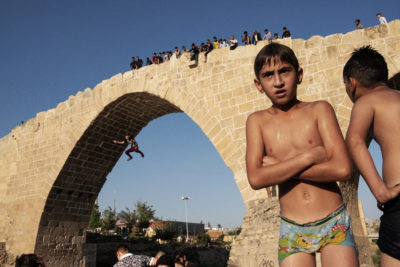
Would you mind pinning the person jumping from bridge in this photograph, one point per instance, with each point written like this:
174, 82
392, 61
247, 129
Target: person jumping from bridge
134, 146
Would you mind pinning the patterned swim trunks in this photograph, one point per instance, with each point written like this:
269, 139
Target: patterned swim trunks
311, 237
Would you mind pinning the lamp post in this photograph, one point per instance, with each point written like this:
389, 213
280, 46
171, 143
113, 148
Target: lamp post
187, 227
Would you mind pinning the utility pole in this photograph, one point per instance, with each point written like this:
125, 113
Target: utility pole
186, 212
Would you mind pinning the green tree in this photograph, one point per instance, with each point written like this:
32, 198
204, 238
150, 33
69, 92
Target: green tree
95, 220
108, 220
168, 232
145, 213
135, 232
129, 216
203, 239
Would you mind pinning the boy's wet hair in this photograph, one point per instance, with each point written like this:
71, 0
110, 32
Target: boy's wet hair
270, 53
367, 66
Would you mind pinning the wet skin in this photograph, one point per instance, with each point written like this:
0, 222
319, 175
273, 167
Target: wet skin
305, 150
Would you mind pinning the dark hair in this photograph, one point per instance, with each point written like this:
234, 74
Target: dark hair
272, 52
394, 82
357, 20
123, 248
178, 254
165, 260
266, 30
284, 28
367, 66
29, 260
379, 14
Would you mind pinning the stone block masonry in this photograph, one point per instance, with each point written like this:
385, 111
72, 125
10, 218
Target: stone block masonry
48, 191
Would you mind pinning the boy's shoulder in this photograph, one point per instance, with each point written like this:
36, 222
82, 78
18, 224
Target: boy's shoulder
377, 96
320, 107
316, 106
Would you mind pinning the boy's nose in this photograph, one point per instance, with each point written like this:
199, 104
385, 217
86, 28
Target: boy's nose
278, 82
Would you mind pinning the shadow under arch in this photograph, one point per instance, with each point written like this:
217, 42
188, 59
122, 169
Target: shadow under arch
67, 209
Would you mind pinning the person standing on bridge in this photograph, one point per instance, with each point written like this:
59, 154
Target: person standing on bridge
134, 146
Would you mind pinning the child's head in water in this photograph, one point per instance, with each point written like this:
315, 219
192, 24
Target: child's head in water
366, 68
277, 73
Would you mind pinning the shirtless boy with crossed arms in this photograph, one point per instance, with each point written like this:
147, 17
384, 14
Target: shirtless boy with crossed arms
305, 156
376, 114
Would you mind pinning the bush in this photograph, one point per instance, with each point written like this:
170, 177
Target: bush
376, 257
203, 239
168, 232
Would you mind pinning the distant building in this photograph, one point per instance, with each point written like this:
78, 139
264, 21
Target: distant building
214, 234
194, 228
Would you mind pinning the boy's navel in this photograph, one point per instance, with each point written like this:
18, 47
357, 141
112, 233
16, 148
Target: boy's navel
306, 196
310, 142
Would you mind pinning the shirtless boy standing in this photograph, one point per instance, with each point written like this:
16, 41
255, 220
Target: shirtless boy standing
305, 156
376, 114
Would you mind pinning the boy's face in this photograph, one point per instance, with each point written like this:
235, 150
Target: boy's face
279, 80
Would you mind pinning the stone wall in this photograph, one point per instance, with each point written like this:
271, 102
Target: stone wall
54, 165
253, 247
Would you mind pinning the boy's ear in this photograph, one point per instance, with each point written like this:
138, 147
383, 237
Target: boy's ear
354, 83
299, 76
258, 85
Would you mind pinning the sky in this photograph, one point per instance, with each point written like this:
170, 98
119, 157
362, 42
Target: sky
51, 49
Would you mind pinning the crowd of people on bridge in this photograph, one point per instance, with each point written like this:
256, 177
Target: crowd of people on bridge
208, 46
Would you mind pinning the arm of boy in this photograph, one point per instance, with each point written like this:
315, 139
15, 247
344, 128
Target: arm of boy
361, 120
274, 171
337, 166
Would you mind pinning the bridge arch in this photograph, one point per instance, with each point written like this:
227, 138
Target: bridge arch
54, 165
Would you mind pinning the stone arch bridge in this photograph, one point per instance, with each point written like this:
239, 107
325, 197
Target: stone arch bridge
54, 166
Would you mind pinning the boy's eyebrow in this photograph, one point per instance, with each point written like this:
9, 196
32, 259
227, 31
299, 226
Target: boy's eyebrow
289, 67
283, 68
268, 72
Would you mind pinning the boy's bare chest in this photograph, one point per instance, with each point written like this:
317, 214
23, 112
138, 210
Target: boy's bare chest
287, 136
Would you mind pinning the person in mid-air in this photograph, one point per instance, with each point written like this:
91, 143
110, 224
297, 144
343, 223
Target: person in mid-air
134, 146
